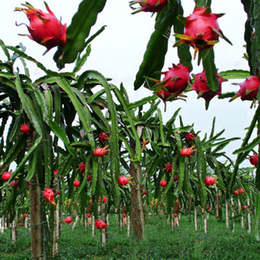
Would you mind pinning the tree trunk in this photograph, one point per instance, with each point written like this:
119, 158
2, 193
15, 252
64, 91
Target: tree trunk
2, 223
205, 219
195, 218
227, 218
239, 211
14, 231
75, 223
26, 222
217, 206
56, 231
93, 225
103, 230
36, 228
128, 226
233, 214
137, 214
249, 217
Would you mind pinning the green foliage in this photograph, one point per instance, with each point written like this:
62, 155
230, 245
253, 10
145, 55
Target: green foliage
78, 31
156, 50
160, 243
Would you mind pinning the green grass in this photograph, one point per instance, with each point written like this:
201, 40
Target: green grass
160, 243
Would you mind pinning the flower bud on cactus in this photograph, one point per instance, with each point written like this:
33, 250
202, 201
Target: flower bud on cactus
82, 168
55, 173
103, 137
14, 184
24, 129
176, 178
44, 28
168, 167
104, 199
190, 136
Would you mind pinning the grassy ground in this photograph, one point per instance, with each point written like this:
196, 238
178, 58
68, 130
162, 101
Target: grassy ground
160, 243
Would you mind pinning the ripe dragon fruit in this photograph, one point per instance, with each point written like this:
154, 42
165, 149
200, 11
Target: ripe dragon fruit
44, 28
100, 224
48, 194
253, 159
68, 219
187, 151
100, 152
76, 183
249, 88
175, 80
6, 176
149, 5
209, 180
123, 180
201, 87
163, 183
202, 30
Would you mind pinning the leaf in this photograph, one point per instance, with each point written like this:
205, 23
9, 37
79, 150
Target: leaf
249, 147
13, 153
81, 60
210, 71
28, 106
80, 110
78, 31
57, 130
24, 160
138, 103
154, 55
42, 103
49, 104
5, 50
234, 74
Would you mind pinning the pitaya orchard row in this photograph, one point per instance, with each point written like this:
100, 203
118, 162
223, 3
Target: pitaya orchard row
82, 147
